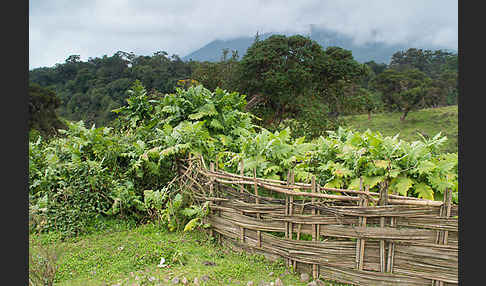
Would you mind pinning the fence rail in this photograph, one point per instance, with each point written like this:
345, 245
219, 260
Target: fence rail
351, 236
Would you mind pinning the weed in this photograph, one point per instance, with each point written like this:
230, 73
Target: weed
43, 266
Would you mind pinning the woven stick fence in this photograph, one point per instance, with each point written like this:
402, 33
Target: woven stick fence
351, 236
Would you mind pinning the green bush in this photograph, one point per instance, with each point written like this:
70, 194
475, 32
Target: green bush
90, 172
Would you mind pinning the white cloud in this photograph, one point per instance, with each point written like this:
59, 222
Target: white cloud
93, 28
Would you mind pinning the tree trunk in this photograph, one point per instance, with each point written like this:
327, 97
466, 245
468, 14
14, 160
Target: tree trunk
369, 115
402, 118
281, 115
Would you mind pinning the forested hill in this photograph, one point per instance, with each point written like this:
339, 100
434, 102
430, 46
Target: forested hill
283, 78
378, 52
90, 90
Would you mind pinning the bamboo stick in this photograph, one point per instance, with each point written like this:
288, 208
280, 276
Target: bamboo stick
279, 189
442, 236
257, 201
448, 212
315, 270
211, 180
300, 225
242, 189
218, 188
287, 214
362, 249
284, 185
391, 249
291, 211
358, 241
211, 191
383, 201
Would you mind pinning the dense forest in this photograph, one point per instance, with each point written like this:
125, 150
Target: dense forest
283, 78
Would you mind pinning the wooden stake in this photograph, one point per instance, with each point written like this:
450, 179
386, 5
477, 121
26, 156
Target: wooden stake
290, 212
358, 241
211, 190
257, 201
442, 236
391, 250
242, 190
315, 270
211, 180
448, 204
299, 228
383, 201
242, 173
218, 190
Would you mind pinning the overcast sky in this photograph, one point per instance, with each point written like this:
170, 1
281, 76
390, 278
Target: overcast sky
93, 28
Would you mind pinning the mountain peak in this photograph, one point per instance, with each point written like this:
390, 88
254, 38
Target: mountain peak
372, 51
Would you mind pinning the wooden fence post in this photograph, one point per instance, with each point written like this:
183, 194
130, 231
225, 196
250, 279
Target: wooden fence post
382, 202
211, 191
257, 201
242, 190
315, 267
442, 235
360, 243
289, 200
391, 250
211, 179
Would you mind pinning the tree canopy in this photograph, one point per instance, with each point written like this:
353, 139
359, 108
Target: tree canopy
42, 110
402, 91
282, 68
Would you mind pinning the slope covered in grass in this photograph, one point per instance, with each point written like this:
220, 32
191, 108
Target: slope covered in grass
428, 121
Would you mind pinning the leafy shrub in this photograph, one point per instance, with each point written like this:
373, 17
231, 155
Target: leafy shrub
345, 156
90, 172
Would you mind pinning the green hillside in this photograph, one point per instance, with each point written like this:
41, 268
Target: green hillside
428, 121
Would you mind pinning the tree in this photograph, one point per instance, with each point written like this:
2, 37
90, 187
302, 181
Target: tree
222, 74
411, 58
432, 63
340, 73
42, 115
376, 67
402, 90
440, 66
282, 68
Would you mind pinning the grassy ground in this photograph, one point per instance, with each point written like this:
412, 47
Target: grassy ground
127, 255
428, 121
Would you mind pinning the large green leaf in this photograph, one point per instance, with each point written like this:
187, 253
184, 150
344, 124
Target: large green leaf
425, 167
336, 183
216, 124
372, 181
401, 185
192, 224
354, 184
424, 191
381, 163
206, 110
